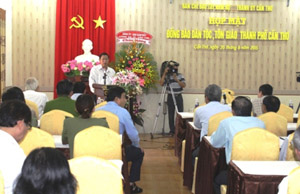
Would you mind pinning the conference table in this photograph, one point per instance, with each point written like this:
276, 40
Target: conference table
248, 177
180, 129
192, 141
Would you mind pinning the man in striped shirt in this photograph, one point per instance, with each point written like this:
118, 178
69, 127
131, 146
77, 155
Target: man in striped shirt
176, 81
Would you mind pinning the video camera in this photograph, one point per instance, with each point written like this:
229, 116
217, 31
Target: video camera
170, 65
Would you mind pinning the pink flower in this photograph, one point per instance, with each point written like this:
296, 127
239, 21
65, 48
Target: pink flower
79, 66
142, 82
72, 66
129, 62
142, 60
65, 69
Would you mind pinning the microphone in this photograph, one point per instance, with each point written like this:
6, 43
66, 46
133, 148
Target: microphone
104, 77
224, 97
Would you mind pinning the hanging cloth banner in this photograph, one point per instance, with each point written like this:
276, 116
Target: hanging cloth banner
134, 36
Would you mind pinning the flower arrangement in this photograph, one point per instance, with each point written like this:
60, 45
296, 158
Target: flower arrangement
134, 57
133, 87
73, 68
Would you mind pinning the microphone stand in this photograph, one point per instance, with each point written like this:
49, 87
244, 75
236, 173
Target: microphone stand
104, 77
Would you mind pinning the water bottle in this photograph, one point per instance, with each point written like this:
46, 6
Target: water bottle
291, 105
196, 102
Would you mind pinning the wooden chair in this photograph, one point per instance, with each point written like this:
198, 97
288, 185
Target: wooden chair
287, 112
96, 175
229, 95
34, 107
111, 118
53, 121
275, 123
36, 138
215, 120
99, 142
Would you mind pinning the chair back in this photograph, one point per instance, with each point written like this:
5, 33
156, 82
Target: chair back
290, 154
255, 144
99, 142
229, 95
111, 118
33, 106
275, 123
100, 104
293, 181
214, 121
53, 121
96, 175
36, 138
287, 112
1, 183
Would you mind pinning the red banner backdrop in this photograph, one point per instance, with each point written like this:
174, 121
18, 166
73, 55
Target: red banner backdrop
76, 20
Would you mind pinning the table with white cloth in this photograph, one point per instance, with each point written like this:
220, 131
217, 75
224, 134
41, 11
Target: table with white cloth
295, 117
180, 129
260, 177
291, 127
192, 141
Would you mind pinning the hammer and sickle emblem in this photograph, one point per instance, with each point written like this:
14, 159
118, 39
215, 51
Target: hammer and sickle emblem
79, 24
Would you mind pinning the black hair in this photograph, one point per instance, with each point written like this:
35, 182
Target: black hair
103, 54
266, 89
64, 88
114, 92
13, 93
79, 87
272, 103
213, 92
47, 171
242, 106
85, 105
13, 111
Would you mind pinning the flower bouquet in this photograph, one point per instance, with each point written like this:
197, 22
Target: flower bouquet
133, 87
74, 68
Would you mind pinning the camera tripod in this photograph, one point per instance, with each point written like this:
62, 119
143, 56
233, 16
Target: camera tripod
162, 101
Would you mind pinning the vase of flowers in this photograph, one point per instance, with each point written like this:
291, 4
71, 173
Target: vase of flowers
78, 69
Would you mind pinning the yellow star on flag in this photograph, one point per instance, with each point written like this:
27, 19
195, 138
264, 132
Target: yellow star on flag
99, 22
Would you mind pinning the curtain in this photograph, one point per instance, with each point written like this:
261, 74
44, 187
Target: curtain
68, 41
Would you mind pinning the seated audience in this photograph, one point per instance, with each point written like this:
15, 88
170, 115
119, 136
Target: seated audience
15, 93
79, 88
274, 122
264, 90
213, 106
30, 93
15, 117
223, 137
116, 98
283, 186
46, 171
63, 102
72, 126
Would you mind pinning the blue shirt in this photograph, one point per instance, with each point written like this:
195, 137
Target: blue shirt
228, 128
203, 114
126, 123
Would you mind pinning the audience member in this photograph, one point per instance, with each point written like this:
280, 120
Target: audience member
15, 93
116, 98
213, 106
241, 120
63, 102
72, 126
101, 74
270, 104
79, 88
15, 117
46, 171
30, 93
283, 186
264, 90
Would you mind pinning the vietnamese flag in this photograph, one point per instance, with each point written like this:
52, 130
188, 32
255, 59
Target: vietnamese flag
77, 20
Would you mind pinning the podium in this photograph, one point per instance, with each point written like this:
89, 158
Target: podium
101, 90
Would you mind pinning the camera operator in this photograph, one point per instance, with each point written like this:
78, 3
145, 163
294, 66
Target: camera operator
173, 79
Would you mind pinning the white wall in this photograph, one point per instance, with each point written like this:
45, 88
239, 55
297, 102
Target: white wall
7, 6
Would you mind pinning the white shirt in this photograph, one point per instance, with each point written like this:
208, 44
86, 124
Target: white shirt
75, 96
97, 74
11, 162
37, 97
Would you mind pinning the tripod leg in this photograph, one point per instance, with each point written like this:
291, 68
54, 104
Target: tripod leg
174, 99
162, 95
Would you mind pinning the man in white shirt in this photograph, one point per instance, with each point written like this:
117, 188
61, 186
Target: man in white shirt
101, 74
283, 186
31, 94
15, 117
264, 90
